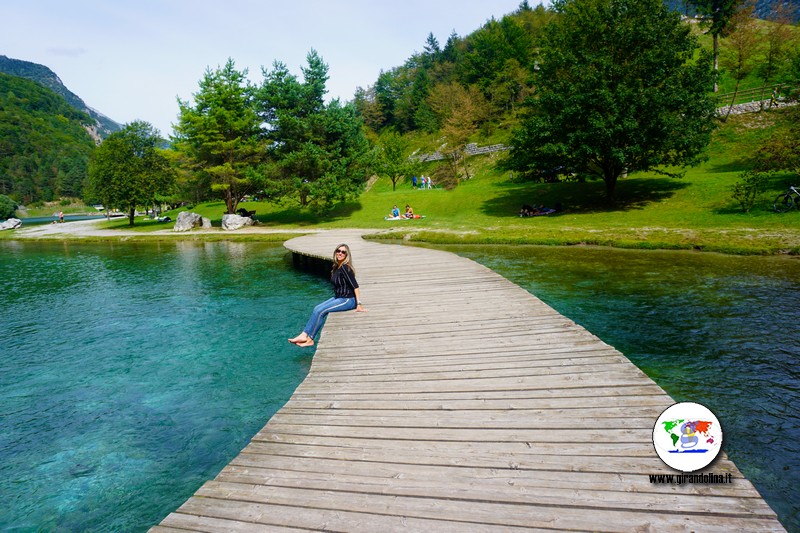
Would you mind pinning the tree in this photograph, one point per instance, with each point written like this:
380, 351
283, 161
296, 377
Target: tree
318, 152
779, 41
129, 170
718, 16
7, 207
617, 91
460, 110
221, 134
366, 103
739, 57
394, 161
432, 50
781, 151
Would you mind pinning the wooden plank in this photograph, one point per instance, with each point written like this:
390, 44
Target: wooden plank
460, 402
525, 490
498, 514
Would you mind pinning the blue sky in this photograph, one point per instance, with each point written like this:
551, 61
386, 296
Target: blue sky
131, 59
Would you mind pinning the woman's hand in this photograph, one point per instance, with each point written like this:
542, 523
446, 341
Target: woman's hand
360, 308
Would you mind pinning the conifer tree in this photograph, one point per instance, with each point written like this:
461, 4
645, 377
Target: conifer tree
220, 134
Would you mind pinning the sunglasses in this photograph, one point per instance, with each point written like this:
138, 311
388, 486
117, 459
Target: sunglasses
341, 251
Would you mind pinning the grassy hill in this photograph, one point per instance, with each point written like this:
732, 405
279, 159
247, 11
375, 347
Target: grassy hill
694, 212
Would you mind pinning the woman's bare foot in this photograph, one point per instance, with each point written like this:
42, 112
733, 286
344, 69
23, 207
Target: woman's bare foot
300, 338
308, 342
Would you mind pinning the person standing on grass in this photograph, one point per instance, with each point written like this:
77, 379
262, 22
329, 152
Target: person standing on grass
346, 296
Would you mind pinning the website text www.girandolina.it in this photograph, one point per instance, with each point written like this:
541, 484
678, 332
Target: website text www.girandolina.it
680, 479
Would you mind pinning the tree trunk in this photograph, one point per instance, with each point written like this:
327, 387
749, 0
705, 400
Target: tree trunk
733, 100
716, 60
130, 216
229, 201
610, 179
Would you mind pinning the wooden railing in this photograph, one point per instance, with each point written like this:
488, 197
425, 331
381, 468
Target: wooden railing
755, 94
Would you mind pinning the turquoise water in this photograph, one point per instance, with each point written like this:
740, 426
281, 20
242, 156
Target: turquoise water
130, 374
718, 330
35, 221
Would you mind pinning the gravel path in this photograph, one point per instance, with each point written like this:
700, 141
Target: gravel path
89, 228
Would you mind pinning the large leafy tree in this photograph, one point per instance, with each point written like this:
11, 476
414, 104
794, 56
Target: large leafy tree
318, 151
129, 169
220, 134
617, 91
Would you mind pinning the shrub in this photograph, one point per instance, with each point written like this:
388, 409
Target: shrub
750, 185
7, 207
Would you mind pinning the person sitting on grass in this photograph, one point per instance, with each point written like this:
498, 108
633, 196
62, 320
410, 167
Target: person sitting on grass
409, 212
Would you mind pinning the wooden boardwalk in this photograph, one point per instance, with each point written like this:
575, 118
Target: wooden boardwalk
460, 402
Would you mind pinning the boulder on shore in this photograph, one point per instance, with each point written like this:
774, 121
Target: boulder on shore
187, 221
233, 222
11, 223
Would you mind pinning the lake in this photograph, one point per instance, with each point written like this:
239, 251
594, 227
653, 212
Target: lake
132, 373
36, 221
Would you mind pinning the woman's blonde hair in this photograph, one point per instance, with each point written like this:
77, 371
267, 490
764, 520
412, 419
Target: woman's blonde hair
348, 259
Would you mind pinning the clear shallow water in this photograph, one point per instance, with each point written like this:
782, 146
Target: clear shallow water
130, 374
719, 330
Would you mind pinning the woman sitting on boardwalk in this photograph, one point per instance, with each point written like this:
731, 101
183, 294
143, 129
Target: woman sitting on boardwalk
346, 296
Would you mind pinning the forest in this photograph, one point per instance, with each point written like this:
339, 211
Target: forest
44, 144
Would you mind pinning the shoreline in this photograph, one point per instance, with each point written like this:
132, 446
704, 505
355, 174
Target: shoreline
740, 242
79, 229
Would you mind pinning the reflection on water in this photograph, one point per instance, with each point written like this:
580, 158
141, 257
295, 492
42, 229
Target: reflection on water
132, 373
718, 330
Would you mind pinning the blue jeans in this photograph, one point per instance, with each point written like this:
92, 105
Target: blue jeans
320, 312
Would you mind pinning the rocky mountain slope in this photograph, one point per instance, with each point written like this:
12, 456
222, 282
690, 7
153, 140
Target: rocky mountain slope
47, 78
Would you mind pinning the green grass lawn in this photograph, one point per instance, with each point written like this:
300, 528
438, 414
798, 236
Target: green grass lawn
652, 211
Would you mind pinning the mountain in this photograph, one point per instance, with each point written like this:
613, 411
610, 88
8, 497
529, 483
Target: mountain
45, 77
763, 8
44, 143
